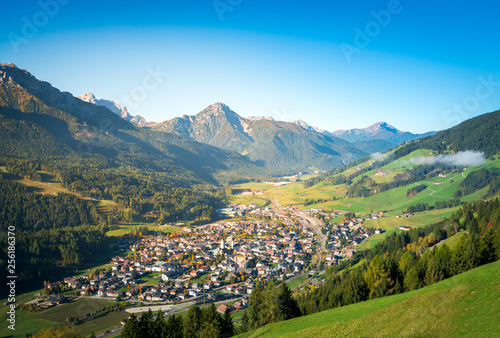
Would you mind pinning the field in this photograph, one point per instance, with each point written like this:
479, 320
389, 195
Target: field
79, 308
32, 322
395, 200
453, 240
297, 282
391, 223
26, 322
466, 304
421, 218
374, 239
296, 194
104, 323
246, 199
126, 228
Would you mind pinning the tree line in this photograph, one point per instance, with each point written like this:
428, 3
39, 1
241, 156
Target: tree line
49, 230
198, 322
419, 207
410, 260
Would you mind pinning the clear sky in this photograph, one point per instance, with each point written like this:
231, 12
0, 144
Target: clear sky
419, 65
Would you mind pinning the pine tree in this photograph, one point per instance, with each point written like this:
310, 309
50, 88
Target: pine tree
286, 306
412, 279
227, 329
174, 327
432, 274
378, 278
245, 322
131, 327
255, 306
193, 322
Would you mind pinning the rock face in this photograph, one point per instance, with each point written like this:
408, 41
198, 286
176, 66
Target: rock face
271, 143
111, 105
53, 97
115, 108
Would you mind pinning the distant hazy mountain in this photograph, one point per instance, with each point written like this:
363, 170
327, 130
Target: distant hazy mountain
271, 143
115, 108
379, 131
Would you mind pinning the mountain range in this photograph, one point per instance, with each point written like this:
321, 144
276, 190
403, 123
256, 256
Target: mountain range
220, 126
269, 143
216, 140
39, 122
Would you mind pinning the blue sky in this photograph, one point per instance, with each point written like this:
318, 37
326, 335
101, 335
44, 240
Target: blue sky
419, 65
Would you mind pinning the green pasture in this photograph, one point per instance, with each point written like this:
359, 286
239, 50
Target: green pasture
464, 305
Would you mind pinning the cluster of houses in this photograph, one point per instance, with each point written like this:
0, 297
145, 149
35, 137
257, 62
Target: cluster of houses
219, 258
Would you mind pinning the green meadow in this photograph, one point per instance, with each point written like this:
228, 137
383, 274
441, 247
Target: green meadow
464, 305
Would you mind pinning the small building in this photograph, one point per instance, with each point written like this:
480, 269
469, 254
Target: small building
222, 308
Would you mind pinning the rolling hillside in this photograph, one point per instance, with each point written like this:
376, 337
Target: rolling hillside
466, 304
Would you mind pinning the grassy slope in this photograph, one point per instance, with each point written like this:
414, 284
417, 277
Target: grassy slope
394, 199
466, 304
32, 322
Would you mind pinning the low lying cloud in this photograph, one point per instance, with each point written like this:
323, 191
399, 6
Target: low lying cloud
462, 158
379, 156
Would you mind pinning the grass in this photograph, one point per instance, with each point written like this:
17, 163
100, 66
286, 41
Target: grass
151, 279
126, 228
374, 239
78, 308
453, 240
421, 218
199, 278
254, 186
107, 322
33, 322
391, 224
466, 304
297, 282
296, 194
245, 199
394, 200
26, 322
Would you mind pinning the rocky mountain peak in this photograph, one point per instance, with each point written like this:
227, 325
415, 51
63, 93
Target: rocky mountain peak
383, 126
88, 97
111, 105
217, 109
258, 118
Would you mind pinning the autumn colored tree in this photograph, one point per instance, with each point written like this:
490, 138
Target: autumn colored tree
378, 279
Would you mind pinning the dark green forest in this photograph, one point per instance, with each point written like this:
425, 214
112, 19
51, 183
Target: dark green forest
94, 152
206, 322
50, 231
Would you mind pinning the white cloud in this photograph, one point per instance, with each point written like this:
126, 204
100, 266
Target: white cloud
379, 156
462, 158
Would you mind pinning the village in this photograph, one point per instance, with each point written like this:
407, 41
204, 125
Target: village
223, 261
